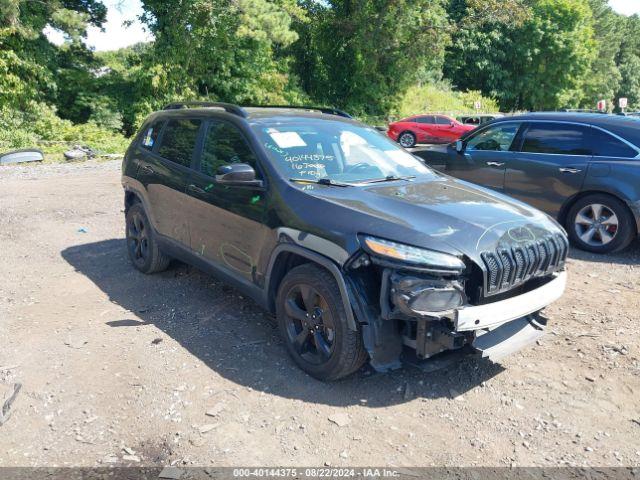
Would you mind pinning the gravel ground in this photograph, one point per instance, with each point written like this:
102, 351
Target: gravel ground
118, 368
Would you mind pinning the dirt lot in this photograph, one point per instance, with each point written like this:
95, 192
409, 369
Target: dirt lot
119, 368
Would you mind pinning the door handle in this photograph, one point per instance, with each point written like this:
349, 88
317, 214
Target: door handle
495, 164
195, 189
569, 170
147, 169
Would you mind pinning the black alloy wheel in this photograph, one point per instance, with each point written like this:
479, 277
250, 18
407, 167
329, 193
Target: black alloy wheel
137, 239
142, 246
310, 324
313, 323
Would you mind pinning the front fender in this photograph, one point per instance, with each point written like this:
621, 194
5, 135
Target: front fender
323, 261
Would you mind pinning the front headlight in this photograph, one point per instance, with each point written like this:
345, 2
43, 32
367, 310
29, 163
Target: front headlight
414, 255
422, 296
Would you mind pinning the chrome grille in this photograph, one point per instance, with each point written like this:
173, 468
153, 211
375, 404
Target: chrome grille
509, 268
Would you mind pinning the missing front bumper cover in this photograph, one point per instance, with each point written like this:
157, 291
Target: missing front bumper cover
510, 337
433, 337
493, 330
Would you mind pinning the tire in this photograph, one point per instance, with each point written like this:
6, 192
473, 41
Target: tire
407, 140
613, 230
142, 247
327, 349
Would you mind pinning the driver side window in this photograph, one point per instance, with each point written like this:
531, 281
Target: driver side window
497, 138
223, 145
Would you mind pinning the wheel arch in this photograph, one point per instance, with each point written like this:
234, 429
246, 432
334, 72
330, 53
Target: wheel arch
286, 257
406, 130
564, 211
135, 192
130, 199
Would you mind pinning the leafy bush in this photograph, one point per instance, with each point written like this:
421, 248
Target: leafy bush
39, 127
440, 98
434, 98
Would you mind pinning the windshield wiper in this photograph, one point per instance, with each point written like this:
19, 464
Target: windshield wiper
389, 178
321, 181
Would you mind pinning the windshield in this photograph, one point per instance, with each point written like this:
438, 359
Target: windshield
323, 149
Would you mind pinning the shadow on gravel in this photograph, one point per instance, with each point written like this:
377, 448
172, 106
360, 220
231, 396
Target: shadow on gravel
629, 256
237, 339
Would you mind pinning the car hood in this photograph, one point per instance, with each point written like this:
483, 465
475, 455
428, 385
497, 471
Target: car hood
442, 214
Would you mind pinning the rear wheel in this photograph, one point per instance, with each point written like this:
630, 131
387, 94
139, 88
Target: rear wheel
600, 223
407, 140
142, 247
313, 324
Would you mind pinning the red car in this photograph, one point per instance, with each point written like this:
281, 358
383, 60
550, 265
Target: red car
427, 129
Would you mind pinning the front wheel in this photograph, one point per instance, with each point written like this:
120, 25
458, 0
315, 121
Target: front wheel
407, 140
600, 224
313, 324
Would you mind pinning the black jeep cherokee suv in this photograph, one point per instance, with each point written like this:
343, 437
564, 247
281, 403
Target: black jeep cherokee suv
360, 250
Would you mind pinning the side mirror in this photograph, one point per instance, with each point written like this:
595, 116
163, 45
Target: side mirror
459, 146
238, 175
452, 124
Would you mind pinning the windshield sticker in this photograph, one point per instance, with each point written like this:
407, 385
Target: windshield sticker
287, 139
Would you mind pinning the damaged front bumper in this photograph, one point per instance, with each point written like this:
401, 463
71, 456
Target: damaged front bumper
493, 314
493, 330
505, 327
423, 313
509, 337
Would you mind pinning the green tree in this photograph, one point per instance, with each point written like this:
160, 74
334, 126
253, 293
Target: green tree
28, 63
218, 49
125, 80
541, 63
361, 55
603, 81
628, 61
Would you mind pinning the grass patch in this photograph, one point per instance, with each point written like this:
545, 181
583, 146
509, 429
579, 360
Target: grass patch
39, 127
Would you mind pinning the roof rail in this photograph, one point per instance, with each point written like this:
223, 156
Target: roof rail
327, 110
237, 110
580, 110
228, 107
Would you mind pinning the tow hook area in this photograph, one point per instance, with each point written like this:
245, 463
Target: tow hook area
510, 337
433, 338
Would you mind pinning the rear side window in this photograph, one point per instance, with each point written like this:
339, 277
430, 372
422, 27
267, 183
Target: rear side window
224, 144
179, 140
425, 119
151, 134
606, 145
557, 138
